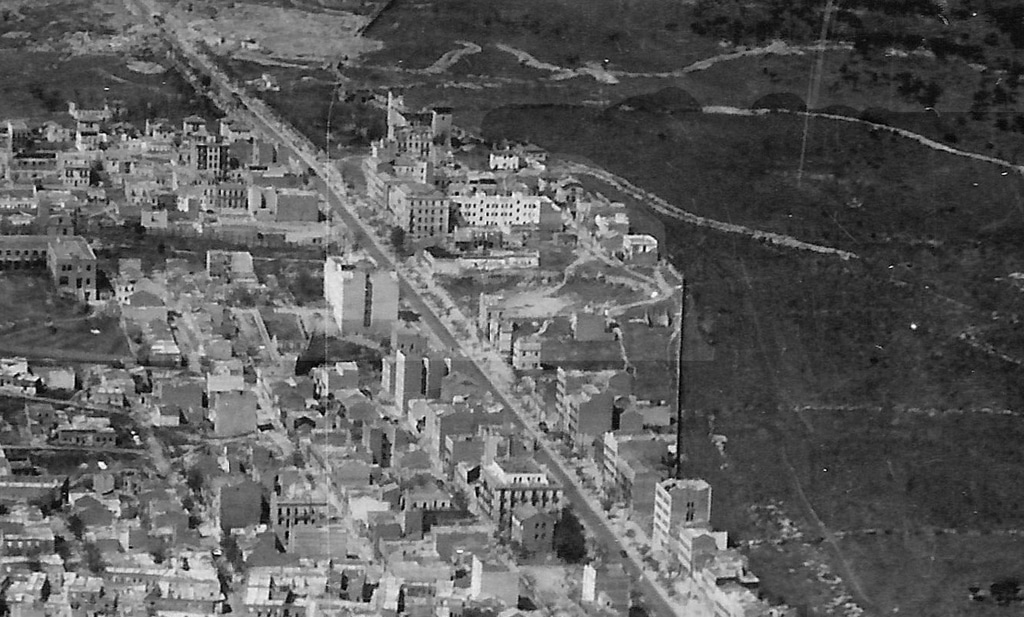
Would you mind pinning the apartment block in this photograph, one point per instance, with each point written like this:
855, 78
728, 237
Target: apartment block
630, 472
294, 502
508, 484
362, 298
72, 265
679, 503
420, 210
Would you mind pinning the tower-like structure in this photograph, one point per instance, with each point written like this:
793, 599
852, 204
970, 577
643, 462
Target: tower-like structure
362, 297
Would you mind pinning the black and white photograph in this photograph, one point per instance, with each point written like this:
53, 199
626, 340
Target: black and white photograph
491, 308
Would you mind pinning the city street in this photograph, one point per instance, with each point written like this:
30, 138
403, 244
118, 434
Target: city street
297, 147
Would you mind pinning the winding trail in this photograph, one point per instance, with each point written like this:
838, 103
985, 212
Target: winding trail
595, 70
663, 207
450, 58
775, 48
921, 139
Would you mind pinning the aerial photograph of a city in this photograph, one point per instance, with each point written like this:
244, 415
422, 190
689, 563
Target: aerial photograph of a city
477, 308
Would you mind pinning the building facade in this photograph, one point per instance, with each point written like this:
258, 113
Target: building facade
362, 298
508, 484
72, 265
679, 503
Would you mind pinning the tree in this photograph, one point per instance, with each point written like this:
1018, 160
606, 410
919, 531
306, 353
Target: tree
61, 548
159, 553
1005, 591
570, 542
195, 480
93, 558
398, 239
232, 553
76, 526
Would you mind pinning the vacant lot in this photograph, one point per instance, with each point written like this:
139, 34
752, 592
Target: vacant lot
38, 323
639, 35
39, 85
286, 33
935, 573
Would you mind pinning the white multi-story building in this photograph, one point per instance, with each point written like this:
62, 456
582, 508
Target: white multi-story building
478, 208
679, 503
362, 298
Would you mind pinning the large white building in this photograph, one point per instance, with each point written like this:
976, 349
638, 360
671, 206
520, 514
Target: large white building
679, 503
362, 298
498, 209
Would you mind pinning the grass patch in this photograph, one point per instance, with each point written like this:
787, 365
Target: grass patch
842, 330
792, 329
38, 85
38, 321
931, 575
640, 35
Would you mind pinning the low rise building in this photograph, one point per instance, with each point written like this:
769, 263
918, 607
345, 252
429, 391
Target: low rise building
231, 266
88, 432
585, 403
630, 472
294, 501
504, 486
533, 529
72, 265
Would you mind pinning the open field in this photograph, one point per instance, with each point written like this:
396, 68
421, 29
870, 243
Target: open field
39, 85
936, 572
284, 33
795, 332
641, 35
48, 25
55, 52
39, 323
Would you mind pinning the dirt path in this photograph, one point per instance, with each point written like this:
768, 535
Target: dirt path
830, 538
598, 72
663, 207
450, 58
921, 139
775, 48
594, 69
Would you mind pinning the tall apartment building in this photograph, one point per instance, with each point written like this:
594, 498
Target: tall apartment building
211, 156
679, 503
420, 210
585, 402
411, 375
362, 298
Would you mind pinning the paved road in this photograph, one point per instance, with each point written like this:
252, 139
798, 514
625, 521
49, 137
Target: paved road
10, 447
292, 145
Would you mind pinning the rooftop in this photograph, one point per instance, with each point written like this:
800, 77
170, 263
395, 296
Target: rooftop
70, 247
520, 465
693, 484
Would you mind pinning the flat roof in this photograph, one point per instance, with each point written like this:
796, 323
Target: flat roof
71, 247
520, 465
24, 242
